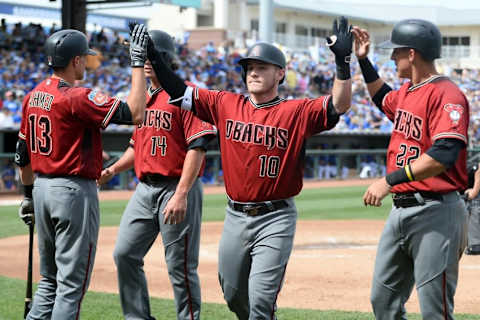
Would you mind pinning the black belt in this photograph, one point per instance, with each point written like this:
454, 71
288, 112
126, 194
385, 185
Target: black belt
406, 200
156, 179
257, 208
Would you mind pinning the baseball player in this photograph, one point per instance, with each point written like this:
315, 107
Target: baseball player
168, 152
262, 140
425, 233
60, 142
473, 208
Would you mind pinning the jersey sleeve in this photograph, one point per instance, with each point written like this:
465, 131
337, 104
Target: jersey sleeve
207, 104
450, 116
195, 128
315, 115
389, 104
22, 133
93, 106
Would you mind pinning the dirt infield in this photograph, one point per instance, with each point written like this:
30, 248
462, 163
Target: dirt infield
330, 268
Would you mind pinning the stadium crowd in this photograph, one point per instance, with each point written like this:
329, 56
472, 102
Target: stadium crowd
22, 66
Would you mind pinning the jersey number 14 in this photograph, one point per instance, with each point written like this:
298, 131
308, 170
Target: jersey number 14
159, 142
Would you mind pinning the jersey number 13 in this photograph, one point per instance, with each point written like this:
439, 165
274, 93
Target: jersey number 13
40, 134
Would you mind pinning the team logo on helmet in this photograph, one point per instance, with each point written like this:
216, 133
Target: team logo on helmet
455, 111
98, 97
50, 60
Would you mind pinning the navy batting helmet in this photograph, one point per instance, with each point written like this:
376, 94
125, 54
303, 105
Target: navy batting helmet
264, 52
63, 45
418, 34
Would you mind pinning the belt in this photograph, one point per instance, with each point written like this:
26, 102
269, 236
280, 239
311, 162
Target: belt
156, 179
412, 199
257, 208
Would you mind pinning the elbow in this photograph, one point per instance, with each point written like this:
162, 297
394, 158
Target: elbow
137, 118
137, 109
342, 107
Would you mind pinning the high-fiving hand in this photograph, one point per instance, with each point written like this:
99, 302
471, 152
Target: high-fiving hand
340, 42
138, 45
362, 42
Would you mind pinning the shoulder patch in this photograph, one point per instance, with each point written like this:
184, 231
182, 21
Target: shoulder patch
97, 97
455, 111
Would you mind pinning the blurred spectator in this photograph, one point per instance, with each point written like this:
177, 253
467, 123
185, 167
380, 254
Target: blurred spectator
22, 65
8, 181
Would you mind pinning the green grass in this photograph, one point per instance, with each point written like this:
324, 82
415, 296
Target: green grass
334, 203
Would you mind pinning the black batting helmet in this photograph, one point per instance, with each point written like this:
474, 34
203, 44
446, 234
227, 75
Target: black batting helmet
63, 45
420, 35
264, 52
163, 42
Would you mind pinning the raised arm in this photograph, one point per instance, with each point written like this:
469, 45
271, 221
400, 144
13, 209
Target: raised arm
377, 88
340, 42
169, 80
138, 53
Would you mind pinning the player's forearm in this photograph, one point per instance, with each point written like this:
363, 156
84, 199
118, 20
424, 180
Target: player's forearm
377, 88
374, 87
26, 175
125, 162
342, 95
137, 99
169, 80
191, 167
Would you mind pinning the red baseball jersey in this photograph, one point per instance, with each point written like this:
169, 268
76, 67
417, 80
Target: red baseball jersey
262, 146
61, 125
161, 142
431, 110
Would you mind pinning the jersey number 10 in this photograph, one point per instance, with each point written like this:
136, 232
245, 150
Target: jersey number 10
269, 166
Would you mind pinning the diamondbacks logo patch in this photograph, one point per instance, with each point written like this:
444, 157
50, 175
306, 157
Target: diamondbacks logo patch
455, 111
97, 97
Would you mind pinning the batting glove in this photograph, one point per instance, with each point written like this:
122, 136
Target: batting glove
138, 46
26, 212
340, 42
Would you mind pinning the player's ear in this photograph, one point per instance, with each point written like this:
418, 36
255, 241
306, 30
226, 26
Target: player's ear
76, 60
413, 54
280, 74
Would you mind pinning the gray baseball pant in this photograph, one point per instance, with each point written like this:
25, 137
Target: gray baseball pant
141, 223
474, 222
67, 222
420, 246
253, 257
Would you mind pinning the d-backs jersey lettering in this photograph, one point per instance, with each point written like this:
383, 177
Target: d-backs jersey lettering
434, 109
262, 146
60, 125
161, 141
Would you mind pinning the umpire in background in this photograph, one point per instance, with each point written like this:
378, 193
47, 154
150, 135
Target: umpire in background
60, 142
473, 207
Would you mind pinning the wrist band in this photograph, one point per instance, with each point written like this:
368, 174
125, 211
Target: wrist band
27, 191
397, 177
368, 71
408, 171
343, 69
